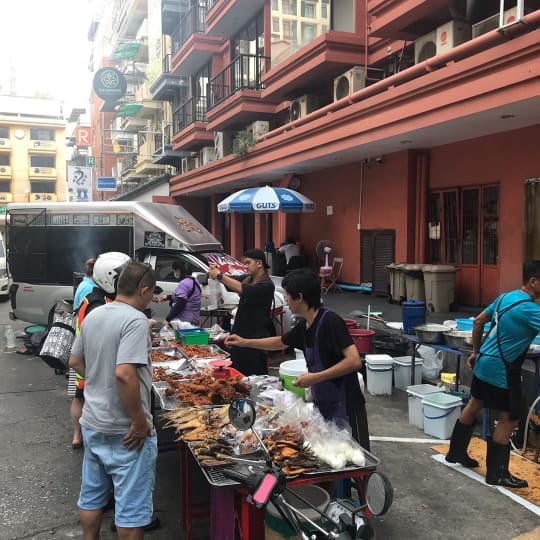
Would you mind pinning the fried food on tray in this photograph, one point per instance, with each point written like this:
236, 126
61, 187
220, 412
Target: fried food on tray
160, 356
199, 351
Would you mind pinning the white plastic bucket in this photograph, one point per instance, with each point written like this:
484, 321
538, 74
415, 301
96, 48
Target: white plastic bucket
440, 414
415, 395
289, 371
402, 371
379, 374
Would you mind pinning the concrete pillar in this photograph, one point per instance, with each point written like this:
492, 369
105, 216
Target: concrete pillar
237, 240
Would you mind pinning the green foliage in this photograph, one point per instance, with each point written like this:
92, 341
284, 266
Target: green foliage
242, 141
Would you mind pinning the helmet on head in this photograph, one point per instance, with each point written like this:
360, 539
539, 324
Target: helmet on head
107, 269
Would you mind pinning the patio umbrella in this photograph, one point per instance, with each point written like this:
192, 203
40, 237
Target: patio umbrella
266, 199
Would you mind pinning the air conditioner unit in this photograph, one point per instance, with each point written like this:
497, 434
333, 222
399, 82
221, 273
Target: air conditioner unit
425, 47
258, 128
222, 144
451, 35
207, 155
189, 163
303, 106
349, 82
491, 23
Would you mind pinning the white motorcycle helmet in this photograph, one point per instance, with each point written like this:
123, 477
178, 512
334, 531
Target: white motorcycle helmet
107, 269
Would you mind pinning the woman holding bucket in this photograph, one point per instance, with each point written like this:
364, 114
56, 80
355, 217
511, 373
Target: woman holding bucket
332, 358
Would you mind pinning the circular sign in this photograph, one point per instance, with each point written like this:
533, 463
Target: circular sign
110, 84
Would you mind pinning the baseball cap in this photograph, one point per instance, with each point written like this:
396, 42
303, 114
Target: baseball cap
257, 255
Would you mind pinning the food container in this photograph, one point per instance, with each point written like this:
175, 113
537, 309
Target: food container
192, 336
206, 352
431, 333
458, 339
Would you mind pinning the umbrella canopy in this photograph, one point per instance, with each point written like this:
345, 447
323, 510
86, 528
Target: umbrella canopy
266, 199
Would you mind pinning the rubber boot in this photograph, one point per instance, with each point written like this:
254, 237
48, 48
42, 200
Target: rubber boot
515, 479
459, 441
497, 466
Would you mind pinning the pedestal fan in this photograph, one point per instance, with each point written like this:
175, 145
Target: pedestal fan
323, 249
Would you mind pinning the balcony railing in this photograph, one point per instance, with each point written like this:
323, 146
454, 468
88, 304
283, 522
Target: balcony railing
243, 73
193, 110
166, 63
129, 162
193, 21
163, 138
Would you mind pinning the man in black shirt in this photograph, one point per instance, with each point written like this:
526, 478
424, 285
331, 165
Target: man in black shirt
252, 318
332, 358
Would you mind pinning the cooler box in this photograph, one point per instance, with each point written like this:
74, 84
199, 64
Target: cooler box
440, 414
193, 336
379, 374
415, 395
402, 371
413, 314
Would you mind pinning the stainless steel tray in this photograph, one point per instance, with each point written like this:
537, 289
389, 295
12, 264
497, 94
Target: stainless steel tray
213, 349
167, 403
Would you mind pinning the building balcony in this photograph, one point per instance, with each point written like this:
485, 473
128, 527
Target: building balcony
190, 125
42, 172
42, 146
170, 15
235, 94
167, 85
146, 167
193, 22
164, 153
5, 144
128, 17
226, 17
326, 57
194, 54
5, 171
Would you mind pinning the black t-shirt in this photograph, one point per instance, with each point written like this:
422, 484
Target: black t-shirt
333, 339
253, 316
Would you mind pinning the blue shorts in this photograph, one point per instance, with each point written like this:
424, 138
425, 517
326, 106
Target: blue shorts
108, 464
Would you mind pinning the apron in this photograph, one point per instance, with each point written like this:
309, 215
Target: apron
328, 396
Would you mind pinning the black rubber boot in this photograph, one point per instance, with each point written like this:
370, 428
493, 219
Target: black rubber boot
459, 441
498, 456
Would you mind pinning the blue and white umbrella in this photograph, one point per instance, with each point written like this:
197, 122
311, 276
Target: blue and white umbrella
266, 199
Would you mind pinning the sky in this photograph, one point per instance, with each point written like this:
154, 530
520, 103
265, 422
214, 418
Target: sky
46, 42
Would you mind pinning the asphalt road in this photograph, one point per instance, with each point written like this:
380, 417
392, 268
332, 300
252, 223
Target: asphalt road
41, 473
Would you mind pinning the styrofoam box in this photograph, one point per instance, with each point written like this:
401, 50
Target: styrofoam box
379, 374
415, 394
402, 371
440, 414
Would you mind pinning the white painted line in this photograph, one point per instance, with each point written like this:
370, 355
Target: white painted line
479, 478
408, 440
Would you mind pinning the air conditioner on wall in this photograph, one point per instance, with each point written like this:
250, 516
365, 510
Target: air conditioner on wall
222, 144
451, 35
207, 155
189, 163
302, 106
491, 23
349, 82
258, 128
425, 47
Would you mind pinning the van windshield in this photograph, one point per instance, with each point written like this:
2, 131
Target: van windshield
226, 263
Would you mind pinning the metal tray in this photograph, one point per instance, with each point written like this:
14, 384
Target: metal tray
177, 362
167, 403
371, 463
213, 349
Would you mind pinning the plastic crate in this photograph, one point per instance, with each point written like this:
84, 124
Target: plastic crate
193, 336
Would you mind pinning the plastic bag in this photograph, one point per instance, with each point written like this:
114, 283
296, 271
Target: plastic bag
215, 298
433, 361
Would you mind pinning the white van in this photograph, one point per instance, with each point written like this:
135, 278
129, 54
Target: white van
48, 242
4, 279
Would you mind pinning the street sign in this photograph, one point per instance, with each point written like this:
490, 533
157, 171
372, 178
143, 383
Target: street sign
83, 137
106, 183
90, 161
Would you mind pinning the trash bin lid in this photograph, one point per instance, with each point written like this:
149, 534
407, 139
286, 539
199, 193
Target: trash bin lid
400, 266
439, 268
417, 267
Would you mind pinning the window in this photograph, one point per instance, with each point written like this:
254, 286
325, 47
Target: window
43, 186
42, 161
42, 134
309, 32
164, 271
490, 253
275, 6
308, 10
289, 7
4, 133
287, 29
469, 226
324, 9
4, 159
5, 186
275, 24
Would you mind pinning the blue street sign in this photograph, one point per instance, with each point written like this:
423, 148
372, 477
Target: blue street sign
106, 183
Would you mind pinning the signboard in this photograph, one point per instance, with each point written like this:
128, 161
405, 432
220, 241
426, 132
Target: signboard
42, 197
79, 183
109, 84
83, 137
106, 183
3, 210
91, 161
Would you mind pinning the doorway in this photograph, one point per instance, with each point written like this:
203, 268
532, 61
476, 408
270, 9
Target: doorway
377, 251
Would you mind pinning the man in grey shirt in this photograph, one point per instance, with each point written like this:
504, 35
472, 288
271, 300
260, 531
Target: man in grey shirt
120, 446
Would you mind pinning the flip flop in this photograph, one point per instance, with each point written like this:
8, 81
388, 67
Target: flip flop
76, 445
